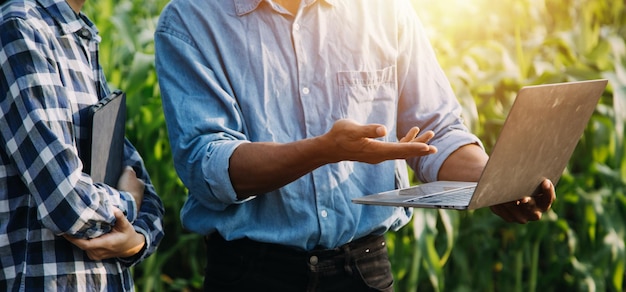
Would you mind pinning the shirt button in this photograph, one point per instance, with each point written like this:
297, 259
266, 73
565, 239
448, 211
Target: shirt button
305, 90
313, 260
324, 213
296, 26
84, 33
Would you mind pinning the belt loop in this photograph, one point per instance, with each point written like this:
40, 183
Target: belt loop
347, 266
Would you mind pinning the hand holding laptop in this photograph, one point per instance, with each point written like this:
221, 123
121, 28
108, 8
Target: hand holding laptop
532, 150
528, 208
467, 164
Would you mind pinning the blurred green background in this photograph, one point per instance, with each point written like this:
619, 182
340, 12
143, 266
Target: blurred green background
489, 49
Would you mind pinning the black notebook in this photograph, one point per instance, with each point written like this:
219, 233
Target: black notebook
105, 150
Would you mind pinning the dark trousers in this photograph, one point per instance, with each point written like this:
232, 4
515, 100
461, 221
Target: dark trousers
246, 265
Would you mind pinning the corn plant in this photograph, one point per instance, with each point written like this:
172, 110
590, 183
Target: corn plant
489, 50
579, 245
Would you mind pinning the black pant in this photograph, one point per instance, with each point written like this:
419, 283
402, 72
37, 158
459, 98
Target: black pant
246, 265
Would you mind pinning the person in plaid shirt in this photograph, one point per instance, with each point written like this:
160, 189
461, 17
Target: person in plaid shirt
58, 229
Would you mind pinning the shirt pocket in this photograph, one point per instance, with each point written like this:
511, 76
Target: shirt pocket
368, 96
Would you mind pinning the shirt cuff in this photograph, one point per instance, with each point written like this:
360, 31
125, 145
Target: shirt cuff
140, 255
430, 164
129, 206
215, 170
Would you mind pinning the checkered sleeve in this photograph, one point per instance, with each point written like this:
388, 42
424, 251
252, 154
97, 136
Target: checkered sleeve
149, 220
37, 130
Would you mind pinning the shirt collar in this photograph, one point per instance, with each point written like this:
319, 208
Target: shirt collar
246, 6
66, 18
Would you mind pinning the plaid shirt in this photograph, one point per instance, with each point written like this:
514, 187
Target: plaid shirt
49, 75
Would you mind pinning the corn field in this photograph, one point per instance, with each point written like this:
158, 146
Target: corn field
489, 50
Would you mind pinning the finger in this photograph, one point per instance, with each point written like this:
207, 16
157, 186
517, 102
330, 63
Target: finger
547, 197
521, 211
425, 137
404, 150
428, 149
381, 131
121, 222
361, 131
93, 252
410, 135
88, 245
529, 209
370, 131
516, 214
95, 255
503, 212
79, 242
526, 210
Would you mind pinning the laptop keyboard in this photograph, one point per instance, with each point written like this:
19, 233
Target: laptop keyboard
459, 196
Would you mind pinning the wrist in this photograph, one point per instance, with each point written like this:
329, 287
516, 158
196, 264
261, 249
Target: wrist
319, 150
136, 245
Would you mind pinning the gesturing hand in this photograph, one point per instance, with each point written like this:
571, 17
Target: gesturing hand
348, 140
123, 241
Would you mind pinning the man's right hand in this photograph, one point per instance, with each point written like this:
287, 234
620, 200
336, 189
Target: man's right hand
260, 167
123, 241
350, 140
129, 182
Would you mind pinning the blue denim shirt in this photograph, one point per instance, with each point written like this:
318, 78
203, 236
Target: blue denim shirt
243, 71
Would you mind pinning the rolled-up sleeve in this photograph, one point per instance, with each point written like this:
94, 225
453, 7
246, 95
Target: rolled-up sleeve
426, 97
203, 119
149, 220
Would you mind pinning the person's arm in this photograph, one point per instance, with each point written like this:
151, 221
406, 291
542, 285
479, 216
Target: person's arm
130, 243
427, 100
122, 242
261, 167
467, 163
37, 129
149, 222
464, 164
213, 154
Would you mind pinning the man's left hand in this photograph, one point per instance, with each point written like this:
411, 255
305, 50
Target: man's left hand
528, 208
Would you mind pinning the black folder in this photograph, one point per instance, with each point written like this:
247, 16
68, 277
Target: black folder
103, 160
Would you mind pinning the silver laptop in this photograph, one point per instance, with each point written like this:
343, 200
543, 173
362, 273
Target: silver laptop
536, 142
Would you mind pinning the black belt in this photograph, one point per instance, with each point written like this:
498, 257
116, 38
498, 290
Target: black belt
358, 246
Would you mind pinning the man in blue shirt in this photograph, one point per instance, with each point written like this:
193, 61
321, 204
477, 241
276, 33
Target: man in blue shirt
58, 229
280, 112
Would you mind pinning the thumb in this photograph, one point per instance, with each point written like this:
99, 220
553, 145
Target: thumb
121, 221
374, 131
544, 201
381, 131
358, 131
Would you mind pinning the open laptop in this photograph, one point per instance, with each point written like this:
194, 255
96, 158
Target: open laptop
536, 142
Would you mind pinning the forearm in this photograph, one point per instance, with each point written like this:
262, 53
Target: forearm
261, 167
465, 164
150, 223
